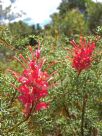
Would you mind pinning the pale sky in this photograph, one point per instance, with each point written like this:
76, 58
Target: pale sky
37, 11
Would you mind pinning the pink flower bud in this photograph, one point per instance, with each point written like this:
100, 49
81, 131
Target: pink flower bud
37, 53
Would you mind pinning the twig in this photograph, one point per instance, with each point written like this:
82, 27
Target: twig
18, 124
83, 114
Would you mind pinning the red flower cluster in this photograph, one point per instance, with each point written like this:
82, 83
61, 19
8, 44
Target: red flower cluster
82, 56
33, 82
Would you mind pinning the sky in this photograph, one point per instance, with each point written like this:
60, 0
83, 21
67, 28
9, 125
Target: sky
36, 11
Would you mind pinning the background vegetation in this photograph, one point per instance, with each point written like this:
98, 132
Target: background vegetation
71, 94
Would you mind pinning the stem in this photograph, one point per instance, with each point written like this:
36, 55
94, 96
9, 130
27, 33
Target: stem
12, 100
83, 114
18, 124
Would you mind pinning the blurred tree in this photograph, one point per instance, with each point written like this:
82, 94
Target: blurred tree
94, 15
77, 16
7, 14
20, 29
33, 29
67, 5
55, 25
72, 23
38, 28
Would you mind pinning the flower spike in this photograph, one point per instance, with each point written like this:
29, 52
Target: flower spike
33, 82
82, 54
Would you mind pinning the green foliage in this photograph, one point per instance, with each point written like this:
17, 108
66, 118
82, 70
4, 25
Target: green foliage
94, 15
67, 5
63, 117
70, 95
73, 23
77, 16
20, 29
99, 30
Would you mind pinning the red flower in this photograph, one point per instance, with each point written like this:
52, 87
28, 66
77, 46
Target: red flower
33, 82
82, 54
41, 105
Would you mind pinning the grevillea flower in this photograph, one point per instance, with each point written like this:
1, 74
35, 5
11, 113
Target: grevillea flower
82, 54
33, 82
